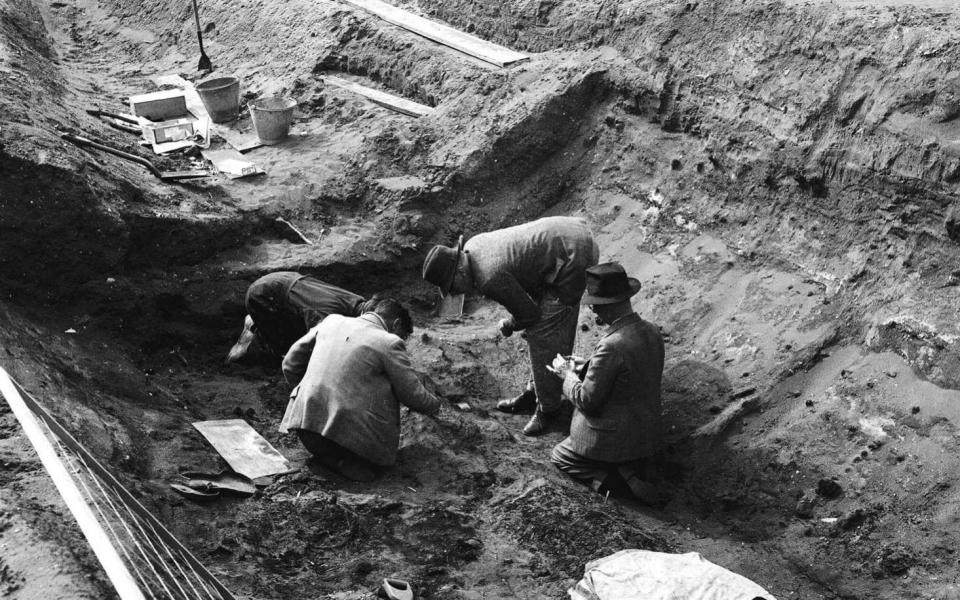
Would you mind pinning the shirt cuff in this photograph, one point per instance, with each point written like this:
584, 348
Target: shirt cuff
570, 385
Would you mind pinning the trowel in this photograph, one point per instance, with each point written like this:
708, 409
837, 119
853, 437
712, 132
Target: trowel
451, 306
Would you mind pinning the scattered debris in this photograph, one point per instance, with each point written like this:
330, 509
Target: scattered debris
231, 163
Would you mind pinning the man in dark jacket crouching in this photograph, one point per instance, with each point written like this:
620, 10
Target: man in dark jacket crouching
616, 423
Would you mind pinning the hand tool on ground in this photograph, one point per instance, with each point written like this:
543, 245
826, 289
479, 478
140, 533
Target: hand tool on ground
396, 589
194, 494
161, 175
225, 482
451, 306
121, 122
205, 64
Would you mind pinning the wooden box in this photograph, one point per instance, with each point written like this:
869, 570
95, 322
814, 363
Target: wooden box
160, 106
169, 131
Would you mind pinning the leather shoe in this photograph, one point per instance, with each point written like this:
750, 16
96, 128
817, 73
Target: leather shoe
247, 348
541, 423
524, 404
352, 470
645, 492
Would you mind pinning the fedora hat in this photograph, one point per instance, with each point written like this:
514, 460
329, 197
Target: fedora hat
440, 265
608, 283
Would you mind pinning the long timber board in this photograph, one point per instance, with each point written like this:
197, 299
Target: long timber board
443, 34
401, 105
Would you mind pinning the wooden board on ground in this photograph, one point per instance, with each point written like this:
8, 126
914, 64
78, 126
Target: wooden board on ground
443, 34
236, 135
401, 105
245, 450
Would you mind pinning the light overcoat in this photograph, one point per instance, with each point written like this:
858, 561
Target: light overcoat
617, 415
351, 375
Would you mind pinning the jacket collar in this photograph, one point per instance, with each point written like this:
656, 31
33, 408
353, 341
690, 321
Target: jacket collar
375, 319
622, 322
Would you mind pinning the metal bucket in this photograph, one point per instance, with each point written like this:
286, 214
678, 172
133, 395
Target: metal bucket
271, 118
221, 98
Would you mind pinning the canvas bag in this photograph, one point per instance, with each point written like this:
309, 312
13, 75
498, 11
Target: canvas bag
645, 575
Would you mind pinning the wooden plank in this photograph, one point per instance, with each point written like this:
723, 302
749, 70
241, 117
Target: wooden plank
245, 450
443, 34
401, 105
101, 544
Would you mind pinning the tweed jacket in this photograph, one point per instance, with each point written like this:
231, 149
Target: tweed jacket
351, 375
617, 414
517, 266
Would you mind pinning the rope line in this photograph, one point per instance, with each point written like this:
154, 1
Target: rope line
160, 566
157, 556
133, 538
72, 461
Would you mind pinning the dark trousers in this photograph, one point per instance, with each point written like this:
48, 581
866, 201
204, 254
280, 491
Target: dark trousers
598, 474
275, 324
328, 450
553, 334
285, 305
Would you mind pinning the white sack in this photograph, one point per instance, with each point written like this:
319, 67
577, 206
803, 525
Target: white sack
644, 575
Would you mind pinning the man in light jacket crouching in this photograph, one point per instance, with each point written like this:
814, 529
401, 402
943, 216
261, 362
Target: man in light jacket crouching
350, 375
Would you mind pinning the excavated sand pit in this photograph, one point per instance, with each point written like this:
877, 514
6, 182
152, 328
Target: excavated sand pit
781, 176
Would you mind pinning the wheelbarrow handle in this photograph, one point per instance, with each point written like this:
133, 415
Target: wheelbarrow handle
82, 141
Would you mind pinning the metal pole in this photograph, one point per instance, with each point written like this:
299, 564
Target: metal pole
98, 539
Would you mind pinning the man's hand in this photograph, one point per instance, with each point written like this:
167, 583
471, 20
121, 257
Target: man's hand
562, 365
506, 327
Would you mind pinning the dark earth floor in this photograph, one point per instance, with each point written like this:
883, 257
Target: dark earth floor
781, 176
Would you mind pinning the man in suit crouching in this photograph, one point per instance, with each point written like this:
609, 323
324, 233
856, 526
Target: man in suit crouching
616, 424
351, 374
